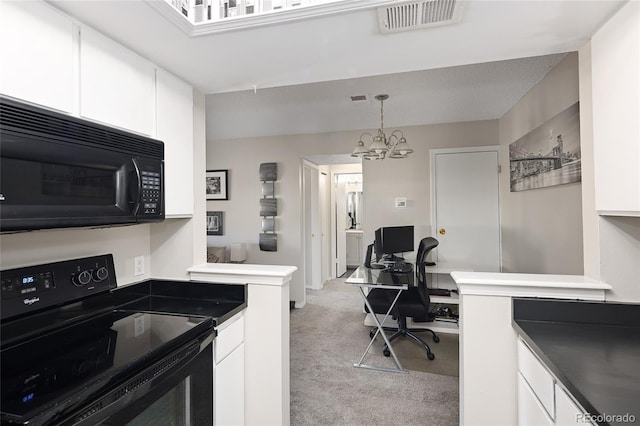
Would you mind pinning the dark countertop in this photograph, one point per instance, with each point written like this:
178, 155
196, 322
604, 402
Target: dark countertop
593, 348
217, 301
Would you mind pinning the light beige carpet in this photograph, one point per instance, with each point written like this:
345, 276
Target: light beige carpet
413, 356
328, 336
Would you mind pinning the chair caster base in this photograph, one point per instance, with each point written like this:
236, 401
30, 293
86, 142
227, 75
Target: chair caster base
387, 353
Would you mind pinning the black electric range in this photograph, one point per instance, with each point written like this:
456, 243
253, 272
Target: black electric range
71, 354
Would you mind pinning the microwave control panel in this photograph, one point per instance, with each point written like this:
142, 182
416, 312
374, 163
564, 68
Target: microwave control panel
151, 198
151, 192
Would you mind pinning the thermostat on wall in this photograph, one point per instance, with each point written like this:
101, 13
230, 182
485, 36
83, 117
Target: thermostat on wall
401, 203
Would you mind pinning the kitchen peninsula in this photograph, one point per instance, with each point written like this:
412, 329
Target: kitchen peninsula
489, 342
266, 335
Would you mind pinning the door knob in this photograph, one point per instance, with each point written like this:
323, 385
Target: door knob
442, 231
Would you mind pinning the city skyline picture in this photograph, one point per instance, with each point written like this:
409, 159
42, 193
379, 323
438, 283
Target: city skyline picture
548, 155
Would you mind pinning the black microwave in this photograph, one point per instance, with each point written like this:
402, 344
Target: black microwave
58, 171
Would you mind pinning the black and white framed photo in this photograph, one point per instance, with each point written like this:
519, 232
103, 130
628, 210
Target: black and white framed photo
549, 154
217, 186
214, 223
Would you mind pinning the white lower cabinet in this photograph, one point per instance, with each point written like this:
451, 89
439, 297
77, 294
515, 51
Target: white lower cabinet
531, 412
541, 399
354, 248
567, 411
228, 383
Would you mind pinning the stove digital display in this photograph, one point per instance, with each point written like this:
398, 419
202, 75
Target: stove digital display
28, 280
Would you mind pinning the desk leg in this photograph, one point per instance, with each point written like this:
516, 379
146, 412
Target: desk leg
380, 330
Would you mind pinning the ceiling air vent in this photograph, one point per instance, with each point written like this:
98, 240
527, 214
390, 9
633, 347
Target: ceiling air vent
419, 14
357, 98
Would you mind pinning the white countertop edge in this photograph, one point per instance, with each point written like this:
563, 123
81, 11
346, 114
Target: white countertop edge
496, 279
243, 269
241, 273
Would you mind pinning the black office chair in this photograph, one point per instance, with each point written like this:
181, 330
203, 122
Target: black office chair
413, 302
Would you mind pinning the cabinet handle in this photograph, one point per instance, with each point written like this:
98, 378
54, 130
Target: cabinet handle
442, 231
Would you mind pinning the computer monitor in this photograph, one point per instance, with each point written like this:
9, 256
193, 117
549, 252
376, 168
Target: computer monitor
393, 239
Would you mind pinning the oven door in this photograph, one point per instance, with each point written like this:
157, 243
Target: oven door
179, 393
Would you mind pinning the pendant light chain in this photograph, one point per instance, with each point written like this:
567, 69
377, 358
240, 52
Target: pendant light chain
382, 115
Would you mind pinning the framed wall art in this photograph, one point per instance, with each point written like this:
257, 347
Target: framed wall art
549, 154
217, 185
215, 223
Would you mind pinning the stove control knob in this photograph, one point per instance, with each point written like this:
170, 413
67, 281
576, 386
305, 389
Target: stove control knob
81, 278
100, 274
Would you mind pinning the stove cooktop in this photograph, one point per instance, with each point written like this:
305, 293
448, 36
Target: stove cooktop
65, 342
64, 367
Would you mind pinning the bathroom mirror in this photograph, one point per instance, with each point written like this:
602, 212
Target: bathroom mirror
354, 210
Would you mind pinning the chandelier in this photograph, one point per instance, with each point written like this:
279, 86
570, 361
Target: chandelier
395, 146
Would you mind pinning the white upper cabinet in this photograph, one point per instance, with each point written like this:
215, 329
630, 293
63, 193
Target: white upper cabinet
53, 61
615, 50
174, 106
37, 47
117, 87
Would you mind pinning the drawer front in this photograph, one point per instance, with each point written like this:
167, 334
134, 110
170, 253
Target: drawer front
230, 337
568, 412
530, 409
537, 376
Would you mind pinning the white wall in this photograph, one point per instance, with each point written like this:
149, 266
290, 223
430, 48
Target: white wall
386, 180
382, 182
37, 247
177, 244
590, 219
541, 228
242, 157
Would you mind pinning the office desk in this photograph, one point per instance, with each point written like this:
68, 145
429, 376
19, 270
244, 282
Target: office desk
366, 278
439, 325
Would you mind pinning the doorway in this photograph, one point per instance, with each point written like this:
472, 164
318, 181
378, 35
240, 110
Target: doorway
323, 228
349, 218
466, 207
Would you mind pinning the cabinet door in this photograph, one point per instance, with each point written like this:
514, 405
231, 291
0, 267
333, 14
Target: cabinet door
229, 389
530, 409
615, 51
537, 376
37, 47
117, 87
174, 106
568, 412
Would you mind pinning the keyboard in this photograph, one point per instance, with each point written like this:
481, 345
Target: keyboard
439, 292
400, 268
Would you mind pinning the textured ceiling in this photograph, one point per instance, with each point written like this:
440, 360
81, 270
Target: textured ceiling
464, 93
304, 71
345, 45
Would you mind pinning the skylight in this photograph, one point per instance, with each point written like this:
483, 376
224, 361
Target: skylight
202, 11
201, 17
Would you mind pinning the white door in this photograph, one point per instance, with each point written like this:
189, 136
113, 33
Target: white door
312, 240
325, 227
465, 203
341, 234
